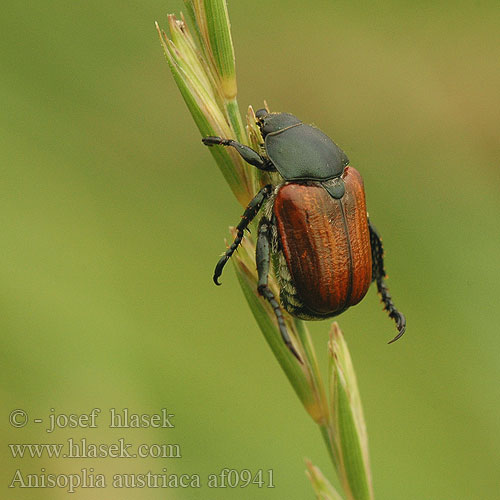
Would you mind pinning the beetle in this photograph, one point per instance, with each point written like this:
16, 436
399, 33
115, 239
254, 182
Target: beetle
315, 223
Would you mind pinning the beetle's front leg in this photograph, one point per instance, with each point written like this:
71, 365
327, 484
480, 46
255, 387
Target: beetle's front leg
263, 259
378, 275
247, 153
248, 215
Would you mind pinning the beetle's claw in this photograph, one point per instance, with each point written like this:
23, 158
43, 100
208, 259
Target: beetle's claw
210, 140
217, 274
401, 324
288, 342
218, 269
295, 353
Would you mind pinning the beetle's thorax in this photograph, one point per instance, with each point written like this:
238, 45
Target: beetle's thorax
299, 151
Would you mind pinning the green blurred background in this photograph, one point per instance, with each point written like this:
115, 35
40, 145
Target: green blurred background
113, 215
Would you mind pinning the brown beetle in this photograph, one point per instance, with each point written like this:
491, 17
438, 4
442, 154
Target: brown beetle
315, 223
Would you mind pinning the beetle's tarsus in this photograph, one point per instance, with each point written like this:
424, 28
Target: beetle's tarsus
269, 296
400, 320
292, 349
250, 212
247, 153
378, 275
263, 258
394, 314
218, 269
212, 140
391, 309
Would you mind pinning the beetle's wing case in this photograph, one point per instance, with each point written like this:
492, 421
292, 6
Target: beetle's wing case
303, 152
325, 245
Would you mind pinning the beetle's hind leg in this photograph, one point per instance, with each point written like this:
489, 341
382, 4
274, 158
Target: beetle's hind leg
248, 215
247, 153
263, 258
378, 275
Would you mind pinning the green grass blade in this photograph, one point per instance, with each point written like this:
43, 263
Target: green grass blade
265, 319
201, 101
218, 33
348, 424
321, 486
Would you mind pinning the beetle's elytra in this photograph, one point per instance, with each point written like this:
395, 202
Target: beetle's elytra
316, 224
310, 224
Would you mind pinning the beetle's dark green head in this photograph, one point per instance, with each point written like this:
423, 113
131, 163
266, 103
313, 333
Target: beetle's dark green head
274, 122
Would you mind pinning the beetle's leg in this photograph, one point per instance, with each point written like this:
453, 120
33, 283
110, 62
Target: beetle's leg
247, 217
247, 153
378, 275
263, 259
